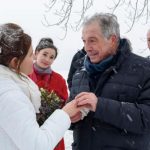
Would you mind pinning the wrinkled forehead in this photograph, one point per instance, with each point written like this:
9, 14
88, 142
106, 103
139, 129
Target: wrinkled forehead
91, 30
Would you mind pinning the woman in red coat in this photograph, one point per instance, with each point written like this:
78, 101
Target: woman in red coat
45, 77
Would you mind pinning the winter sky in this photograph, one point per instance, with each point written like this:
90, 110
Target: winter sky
29, 15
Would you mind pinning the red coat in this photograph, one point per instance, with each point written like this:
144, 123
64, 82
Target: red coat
54, 82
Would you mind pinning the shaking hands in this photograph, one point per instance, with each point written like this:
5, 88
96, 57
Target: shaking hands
78, 108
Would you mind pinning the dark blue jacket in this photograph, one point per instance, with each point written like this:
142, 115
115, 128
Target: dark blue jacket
122, 117
75, 63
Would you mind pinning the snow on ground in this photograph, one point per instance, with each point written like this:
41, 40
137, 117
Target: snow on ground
68, 140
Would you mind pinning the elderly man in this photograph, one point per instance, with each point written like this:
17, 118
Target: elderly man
114, 84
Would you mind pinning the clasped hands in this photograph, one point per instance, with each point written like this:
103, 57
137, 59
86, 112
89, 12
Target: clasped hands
85, 101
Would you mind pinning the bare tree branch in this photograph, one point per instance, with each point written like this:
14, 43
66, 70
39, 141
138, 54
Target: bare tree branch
50, 5
70, 13
136, 10
134, 16
64, 10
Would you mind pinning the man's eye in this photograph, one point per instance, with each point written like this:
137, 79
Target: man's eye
92, 41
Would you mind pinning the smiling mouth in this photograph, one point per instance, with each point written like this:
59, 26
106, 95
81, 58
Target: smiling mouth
93, 55
45, 64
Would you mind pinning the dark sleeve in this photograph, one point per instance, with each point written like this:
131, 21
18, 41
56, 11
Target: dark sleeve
72, 69
132, 117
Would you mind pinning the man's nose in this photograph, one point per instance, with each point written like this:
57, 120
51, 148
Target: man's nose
87, 47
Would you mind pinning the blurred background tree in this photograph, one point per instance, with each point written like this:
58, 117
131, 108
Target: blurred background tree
70, 13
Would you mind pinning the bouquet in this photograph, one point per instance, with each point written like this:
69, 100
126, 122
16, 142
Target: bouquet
50, 101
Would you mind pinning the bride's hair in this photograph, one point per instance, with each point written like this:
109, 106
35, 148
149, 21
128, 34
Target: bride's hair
13, 43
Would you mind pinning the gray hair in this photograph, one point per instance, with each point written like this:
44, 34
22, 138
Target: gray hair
108, 24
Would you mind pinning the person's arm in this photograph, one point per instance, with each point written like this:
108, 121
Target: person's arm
18, 121
71, 71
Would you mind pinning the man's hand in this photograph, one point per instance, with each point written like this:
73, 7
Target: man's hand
87, 99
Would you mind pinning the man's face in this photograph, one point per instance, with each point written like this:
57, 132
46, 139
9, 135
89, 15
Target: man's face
148, 39
95, 44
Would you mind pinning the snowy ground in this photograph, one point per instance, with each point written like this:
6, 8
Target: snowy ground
68, 140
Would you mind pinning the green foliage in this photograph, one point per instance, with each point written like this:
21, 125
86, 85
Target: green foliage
50, 101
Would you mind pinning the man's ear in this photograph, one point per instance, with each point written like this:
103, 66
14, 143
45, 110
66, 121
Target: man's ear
114, 41
14, 63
